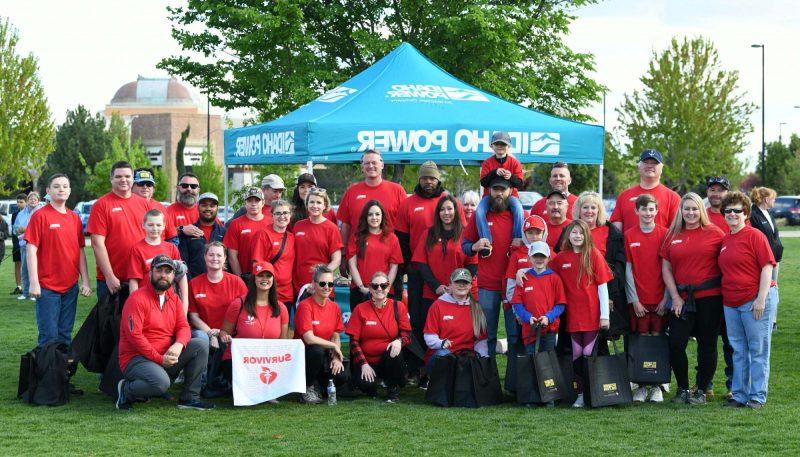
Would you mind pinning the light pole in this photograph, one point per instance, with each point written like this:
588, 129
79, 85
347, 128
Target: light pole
780, 132
763, 123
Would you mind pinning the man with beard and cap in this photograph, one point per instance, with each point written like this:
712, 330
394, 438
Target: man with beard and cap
492, 267
717, 188
272, 188
651, 165
144, 185
192, 248
184, 211
155, 344
557, 216
560, 179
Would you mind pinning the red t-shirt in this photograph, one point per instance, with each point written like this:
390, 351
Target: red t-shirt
169, 228
539, 294
643, 251
693, 257
415, 217
262, 326
211, 300
442, 261
179, 215
583, 303
378, 255
492, 269
517, 260
600, 239
143, 253
540, 207
323, 321
625, 211
389, 193
451, 321
59, 241
375, 328
241, 236
266, 245
120, 221
317, 243
741, 259
554, 232
207, 229
511, 164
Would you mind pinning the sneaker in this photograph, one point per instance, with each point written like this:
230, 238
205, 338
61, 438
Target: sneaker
710, 394
579, 402
195, 403
122, 402
640, 395
697, 398
17, 290
393, 396
311, 396
733, 404
752, 404
682, 396
665, 387
21, 297
32, 298
423, 383
729, 395
656, 395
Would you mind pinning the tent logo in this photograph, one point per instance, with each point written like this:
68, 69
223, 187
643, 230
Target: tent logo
267, 143
546, 143
334, 95
434, 92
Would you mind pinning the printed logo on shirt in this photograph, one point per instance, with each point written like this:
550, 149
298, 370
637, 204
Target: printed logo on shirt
116, 209
370, 323
419, 208
55, 226
361, 197
635, 245
300, 234
199, 295
491, 224
447, 318
529, 288
676, 241
522, 260
245, 231
566, 265
276, 243
180, 217
314, 322
723, 248
250, 320
633, 199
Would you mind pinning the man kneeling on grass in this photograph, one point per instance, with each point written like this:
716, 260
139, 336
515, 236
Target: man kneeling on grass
155, 343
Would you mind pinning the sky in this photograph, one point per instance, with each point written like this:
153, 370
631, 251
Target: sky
88, 49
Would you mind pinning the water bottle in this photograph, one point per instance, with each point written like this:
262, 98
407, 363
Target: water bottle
331, 393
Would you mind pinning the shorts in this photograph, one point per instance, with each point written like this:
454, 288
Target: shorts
651, 322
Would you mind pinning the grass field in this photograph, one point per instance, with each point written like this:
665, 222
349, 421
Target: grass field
90, 425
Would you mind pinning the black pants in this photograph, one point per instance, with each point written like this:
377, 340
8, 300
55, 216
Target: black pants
318, 368
391, 369
705, 324
418, 313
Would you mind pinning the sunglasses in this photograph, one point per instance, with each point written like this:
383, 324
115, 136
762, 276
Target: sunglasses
145, 184
317, 191
381, 286
328, 284
189, 186
733, 210
281, 213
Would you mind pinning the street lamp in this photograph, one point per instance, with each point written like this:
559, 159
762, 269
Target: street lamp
763, 123
780, 132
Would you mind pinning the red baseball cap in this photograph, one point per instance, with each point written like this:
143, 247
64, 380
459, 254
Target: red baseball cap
534, 222
260, 267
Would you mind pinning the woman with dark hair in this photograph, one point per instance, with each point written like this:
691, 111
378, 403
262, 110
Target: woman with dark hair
750, 299
372, 248
763, 200
318, 323
378, 329
305, 182
258, 314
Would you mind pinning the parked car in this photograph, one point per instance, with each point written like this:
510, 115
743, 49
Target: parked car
7, 208
83, 209
528, 198
787, 206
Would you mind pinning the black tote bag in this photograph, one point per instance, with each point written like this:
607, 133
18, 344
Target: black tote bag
606, 380
539, 377
568, 375
648, 359
440, 388
463, 382
485, 381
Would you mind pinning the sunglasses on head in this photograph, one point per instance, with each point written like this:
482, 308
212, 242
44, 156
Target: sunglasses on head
189, 186
327, 284
318, 191
382, 286
733, 210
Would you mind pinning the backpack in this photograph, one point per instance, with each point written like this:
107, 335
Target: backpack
44, 375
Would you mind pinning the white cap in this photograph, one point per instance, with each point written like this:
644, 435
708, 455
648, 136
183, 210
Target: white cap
538, 247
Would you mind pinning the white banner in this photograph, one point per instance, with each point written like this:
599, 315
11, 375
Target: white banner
266, 369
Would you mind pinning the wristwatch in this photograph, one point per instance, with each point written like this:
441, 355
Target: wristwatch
180, 229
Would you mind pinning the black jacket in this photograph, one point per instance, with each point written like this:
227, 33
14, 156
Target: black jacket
758, 221
193, 249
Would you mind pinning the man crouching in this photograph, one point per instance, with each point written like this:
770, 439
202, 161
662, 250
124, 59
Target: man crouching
155, 343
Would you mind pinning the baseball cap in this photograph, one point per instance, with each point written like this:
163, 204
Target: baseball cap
560, 193
260, 267
273, 182
721, 180
538, 247
208, 196
254, 192
305, 177
534, 222
461, 274
501, 137
651, 154
499, 181
141, 176
162, 260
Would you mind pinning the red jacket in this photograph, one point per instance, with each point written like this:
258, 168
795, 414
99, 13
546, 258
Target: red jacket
147, 329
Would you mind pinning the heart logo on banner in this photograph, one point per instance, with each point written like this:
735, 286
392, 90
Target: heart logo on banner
267, 376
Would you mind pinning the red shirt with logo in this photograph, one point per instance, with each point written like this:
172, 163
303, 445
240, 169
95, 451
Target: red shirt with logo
59, 240
374, 328
442, 259
262, 326
625, 210
540, 207
451, 321
241, 236
143, 253
511, 164
643, 251
741, 258
379, 253
119, 220
415, 217
539, 294
180, 215
266, 246
583, 303
316, 244
323, 321
693, 257
554, 233
492, 269
211, 300
389, 193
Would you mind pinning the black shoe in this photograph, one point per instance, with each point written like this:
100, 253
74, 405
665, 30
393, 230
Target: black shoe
195, 404
682, 396
697, 398
423, 383
17, 291
752, 404
122, 402
74, 390
733, 404
393, 396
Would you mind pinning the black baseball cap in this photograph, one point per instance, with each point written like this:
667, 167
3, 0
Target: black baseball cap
721, 180
307, 177
499, 181
651, 154
162, 260
560, 193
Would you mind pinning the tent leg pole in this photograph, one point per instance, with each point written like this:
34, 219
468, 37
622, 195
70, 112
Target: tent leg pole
600, 181
225, 183
310, 167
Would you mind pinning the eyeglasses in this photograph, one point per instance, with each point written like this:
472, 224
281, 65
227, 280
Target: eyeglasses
328, 284
281, 213
145, 184
381, 286
189, 186
733, 210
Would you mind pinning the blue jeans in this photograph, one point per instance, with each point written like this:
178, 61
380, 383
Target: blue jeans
490, 304
26, 282
751, 340
55, 315
436, 354
547, 343
517, 213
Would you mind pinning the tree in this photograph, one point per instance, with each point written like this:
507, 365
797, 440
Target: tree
180, 163
26, 126
691, 110
782, 166
99, 181
209, 174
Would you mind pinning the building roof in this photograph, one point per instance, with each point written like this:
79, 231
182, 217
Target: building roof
153, 91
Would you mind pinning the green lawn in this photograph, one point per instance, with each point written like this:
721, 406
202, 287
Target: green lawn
91, 425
